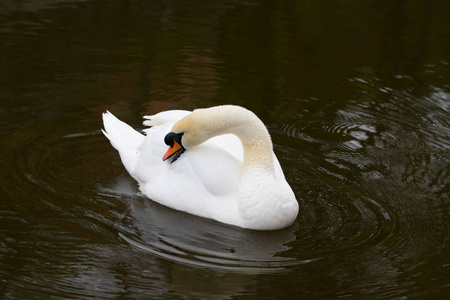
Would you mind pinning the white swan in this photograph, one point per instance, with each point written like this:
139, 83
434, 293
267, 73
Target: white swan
219, 165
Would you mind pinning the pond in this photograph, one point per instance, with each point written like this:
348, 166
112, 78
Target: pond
356, 97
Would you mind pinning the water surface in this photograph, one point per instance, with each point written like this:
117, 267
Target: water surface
356, 96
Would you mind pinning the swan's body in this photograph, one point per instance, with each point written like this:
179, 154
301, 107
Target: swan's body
228, 172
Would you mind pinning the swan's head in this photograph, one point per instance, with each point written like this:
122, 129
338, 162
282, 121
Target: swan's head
194, 129
176, 147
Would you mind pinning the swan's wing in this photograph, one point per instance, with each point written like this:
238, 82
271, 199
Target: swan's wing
229, 143
202, 181
124, 139
216, 168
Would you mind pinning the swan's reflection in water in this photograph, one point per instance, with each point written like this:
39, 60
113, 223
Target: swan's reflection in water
192, 240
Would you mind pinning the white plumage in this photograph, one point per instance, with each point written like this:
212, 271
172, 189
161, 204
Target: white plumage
228, 172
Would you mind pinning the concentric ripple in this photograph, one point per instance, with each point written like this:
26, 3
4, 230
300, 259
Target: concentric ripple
61, 174
374, 185
80, 178
323, 231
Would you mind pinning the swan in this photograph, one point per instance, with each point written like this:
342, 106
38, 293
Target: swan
215, 162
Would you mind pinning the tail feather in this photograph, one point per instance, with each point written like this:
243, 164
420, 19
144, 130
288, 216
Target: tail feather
124, 139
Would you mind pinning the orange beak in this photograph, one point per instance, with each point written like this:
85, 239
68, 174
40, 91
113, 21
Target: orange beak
174, 149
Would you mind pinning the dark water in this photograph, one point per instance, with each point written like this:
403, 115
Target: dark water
356, 95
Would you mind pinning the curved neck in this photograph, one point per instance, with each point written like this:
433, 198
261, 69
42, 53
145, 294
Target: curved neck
252, 132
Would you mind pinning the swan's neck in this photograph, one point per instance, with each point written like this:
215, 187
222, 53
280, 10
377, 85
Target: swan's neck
253, 134
257, 153
230, 119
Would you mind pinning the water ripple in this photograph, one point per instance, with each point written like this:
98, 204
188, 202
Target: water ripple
59, 168
342, 215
